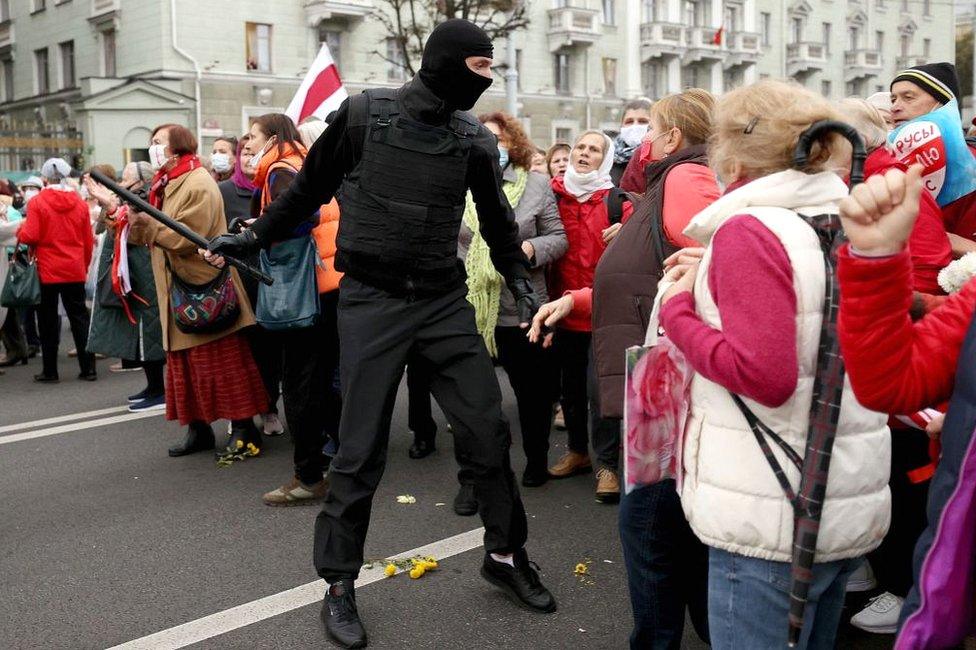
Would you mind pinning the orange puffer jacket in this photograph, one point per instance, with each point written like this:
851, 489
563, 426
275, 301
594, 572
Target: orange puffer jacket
325, 240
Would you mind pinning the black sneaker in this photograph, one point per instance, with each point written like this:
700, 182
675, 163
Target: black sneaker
141, 395
46, 379
340, 616
520, 582
534, 476
465, 504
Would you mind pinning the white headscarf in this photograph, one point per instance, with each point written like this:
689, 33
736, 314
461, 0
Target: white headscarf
582, 186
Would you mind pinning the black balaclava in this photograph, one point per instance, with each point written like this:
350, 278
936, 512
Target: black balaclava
442, 68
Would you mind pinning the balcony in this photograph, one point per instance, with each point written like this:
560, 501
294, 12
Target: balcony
909, 61
573, 26
744, 48
701, 46
859, 64
104, 14
100, 7
661, 40
805, 58
6, 35
318, 10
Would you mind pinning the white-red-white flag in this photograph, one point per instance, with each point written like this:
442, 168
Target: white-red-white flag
321, 91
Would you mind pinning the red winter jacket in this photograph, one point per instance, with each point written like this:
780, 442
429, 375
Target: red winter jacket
584, 224
960, 215
894, 365
59, 229
929, 244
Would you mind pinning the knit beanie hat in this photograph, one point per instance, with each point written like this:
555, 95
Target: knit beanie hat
937, 79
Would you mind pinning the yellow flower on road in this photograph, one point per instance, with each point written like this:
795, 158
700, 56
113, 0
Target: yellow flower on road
390, 570
416, 572
581, 569
406, 498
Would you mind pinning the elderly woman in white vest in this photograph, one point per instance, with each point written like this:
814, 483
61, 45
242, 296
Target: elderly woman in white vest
750, 319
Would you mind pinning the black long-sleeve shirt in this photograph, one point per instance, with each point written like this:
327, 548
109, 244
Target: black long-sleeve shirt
337, 152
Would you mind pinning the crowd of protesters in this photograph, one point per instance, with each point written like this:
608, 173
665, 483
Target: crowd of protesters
691, 218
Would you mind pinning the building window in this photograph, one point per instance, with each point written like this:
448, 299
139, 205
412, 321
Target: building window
608, 16
765, 27
37, 5
518, 69
396, 69
853, 38
655, 79
561, 72
796, 30
258, 47
66, 51
4, 11
108, 53
692, 76
826, 37
904, 6
879, 4
905, 44
647, 10
7, 68
42, 82
826, 88
926, 7
332, 37
610, 77
564, 135
926, 48
879, 41
696, 13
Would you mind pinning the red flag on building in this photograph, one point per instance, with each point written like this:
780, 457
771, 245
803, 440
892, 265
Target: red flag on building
717, 39
321, 91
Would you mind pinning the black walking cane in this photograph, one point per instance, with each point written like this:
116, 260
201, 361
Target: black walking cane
163, 218
825, 407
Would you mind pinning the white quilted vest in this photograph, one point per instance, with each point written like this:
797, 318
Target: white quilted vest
730, 494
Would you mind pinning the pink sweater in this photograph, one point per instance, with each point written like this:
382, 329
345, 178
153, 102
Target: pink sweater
751, 281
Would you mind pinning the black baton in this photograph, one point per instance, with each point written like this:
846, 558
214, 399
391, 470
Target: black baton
163, 218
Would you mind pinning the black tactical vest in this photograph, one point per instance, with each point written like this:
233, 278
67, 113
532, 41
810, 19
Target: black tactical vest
402, 204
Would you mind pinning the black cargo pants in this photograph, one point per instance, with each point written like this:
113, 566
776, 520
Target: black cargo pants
378, 332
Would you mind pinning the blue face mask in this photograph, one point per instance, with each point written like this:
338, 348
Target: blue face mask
502, 157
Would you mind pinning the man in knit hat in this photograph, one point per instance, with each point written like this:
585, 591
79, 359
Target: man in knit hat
922, 89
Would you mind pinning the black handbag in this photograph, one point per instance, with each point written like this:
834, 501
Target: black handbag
204, 308
22, 287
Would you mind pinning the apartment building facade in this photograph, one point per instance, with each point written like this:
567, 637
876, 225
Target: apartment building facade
92, 77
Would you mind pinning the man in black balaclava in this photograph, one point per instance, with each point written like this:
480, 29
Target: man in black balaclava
401, 163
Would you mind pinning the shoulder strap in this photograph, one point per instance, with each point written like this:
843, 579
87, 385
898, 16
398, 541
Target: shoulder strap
761, 431
464, 124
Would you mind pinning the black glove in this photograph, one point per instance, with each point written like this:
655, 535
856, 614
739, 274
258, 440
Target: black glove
527, 303
236, 225
238, 245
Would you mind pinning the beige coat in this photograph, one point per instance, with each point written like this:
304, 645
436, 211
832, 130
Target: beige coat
194, 200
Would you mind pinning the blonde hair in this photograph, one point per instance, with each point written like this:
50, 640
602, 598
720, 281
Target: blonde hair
758, 126
310, 130
866, 119
689, 111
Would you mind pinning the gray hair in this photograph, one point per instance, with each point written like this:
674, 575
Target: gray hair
138, 169
866, 119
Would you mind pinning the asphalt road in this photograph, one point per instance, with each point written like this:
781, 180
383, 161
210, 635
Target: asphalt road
104, 539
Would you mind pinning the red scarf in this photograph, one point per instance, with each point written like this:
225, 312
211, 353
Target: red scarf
186, 163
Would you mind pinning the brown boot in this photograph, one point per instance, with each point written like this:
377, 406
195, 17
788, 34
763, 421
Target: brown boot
296, 493
571, 464
607, 486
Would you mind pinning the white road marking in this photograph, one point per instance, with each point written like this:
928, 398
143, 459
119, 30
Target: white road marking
77, 426
262, 608
62, 418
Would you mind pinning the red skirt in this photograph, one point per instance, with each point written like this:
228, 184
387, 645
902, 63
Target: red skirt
214, 381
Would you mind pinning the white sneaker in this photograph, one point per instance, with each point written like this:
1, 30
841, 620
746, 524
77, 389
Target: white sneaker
272, 425
862, 579
881, 615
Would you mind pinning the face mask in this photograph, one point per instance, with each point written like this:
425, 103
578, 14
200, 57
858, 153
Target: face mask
157, 156
502, 157
31, 193
646, 155
633, 134
221, 163
443, 69
256, 158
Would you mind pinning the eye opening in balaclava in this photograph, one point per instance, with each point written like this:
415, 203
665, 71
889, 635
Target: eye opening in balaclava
443, 69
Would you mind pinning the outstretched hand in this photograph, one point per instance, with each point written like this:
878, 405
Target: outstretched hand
880, 213
548, 315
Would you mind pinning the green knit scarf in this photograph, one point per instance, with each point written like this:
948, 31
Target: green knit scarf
484, 282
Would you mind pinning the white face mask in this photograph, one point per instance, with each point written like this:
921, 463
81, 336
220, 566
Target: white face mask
157, 156
31, 193
221, 163
256, 158
633, 134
